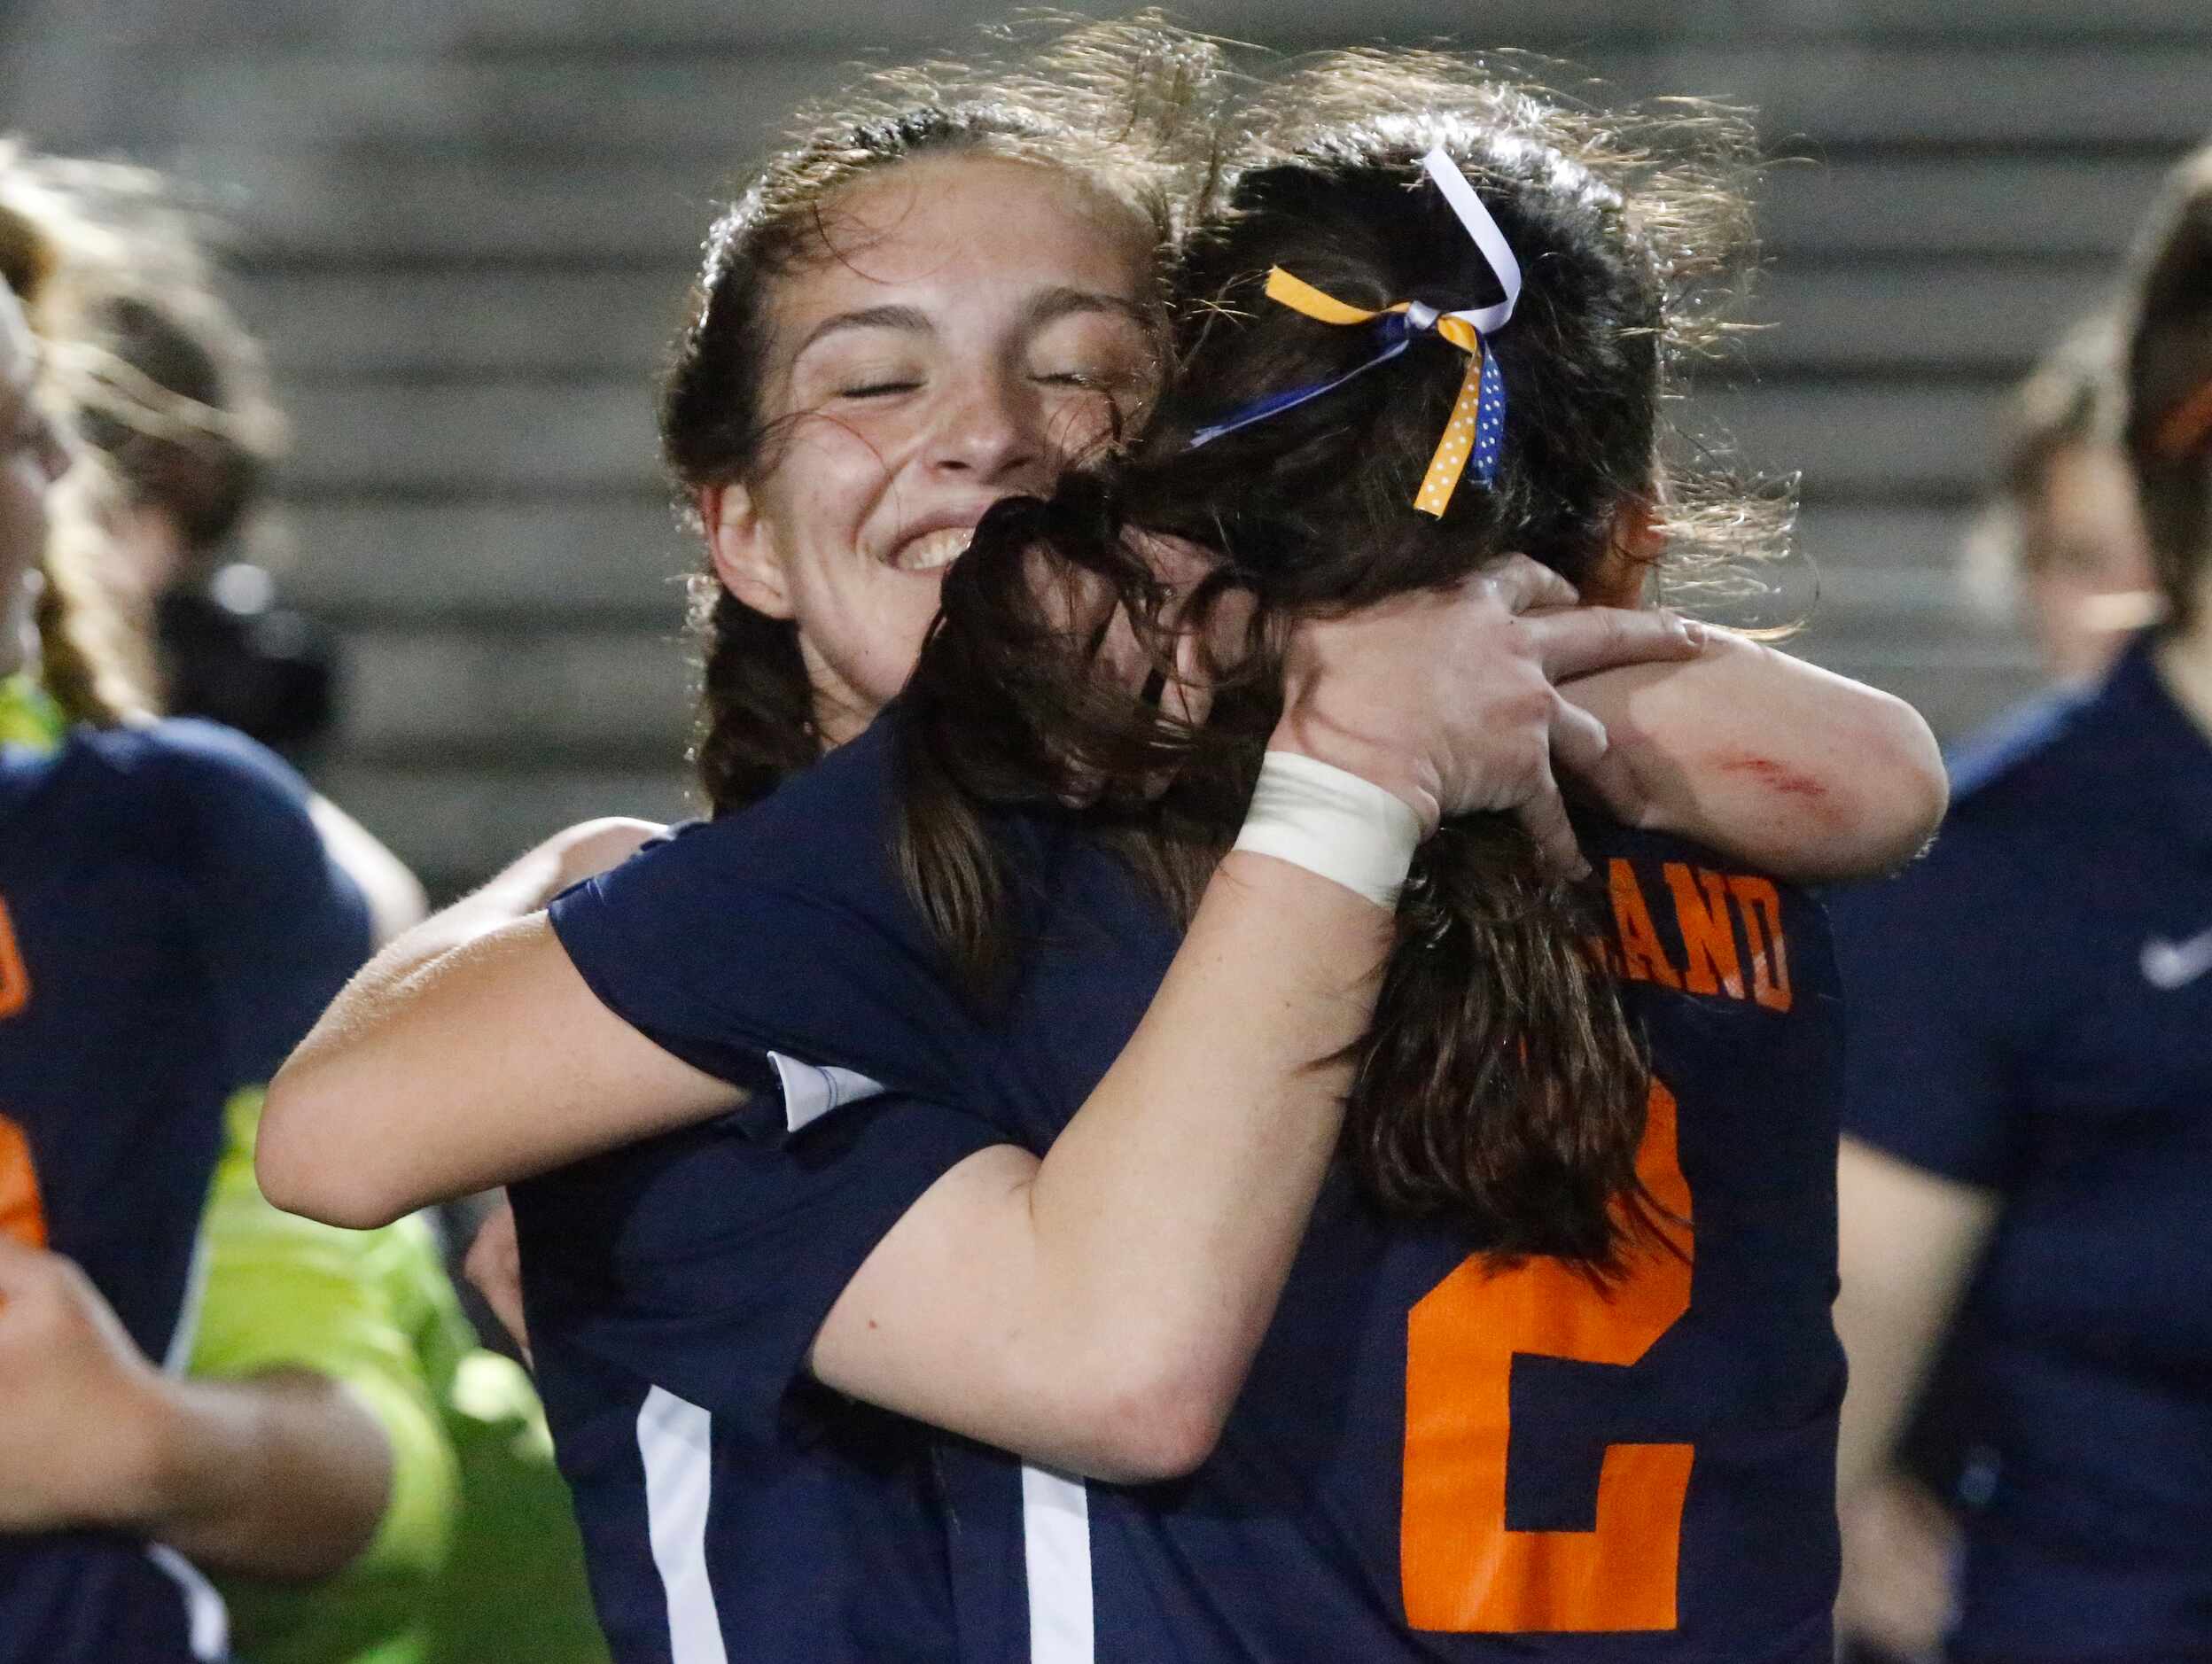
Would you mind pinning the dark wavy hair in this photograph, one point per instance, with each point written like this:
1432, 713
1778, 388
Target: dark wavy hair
1123, 109
2168, 371
1498, 1085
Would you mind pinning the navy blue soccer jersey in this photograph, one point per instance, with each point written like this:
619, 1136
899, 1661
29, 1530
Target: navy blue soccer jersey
170, 928
2031, 1014
1433, 1458
730, 1507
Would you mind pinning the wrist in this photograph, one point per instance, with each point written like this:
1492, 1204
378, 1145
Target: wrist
1302, 733
1336, 824
152, 1452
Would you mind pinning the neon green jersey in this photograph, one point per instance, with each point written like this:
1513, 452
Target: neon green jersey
477, 1556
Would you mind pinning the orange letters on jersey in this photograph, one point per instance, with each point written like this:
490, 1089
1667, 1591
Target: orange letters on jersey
1703, 904
22, 1214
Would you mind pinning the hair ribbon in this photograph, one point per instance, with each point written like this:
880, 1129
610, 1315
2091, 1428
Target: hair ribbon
1476, 426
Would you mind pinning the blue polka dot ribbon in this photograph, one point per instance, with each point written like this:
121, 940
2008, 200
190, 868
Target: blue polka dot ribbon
1476, 427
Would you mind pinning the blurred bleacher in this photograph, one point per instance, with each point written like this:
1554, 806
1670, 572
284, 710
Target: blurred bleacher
464, 229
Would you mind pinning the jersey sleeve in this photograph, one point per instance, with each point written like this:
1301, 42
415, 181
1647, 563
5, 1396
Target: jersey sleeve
277, 926
721, 945
1941, 989
704, 1262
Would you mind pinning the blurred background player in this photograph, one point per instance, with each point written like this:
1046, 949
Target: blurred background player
2061, 545
2031, 1084
2058, 550
168, 923
345, 1355
182, 410
173, 391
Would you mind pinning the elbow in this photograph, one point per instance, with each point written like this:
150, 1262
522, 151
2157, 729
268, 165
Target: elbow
301, 1166
1174, 1444
1877, 813
1153, 1426
1906, 790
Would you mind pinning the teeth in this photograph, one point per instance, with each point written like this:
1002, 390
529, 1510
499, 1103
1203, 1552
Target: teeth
935, 549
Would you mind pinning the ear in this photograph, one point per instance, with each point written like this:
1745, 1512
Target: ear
744, 552
1637, 539
1640, 530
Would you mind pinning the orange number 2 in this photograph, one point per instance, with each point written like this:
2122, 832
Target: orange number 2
1463, 1569
22, 1214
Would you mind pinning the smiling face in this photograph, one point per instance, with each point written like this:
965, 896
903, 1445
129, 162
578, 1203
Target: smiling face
973, 325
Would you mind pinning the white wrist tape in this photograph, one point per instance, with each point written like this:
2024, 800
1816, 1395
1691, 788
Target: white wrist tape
1348, 829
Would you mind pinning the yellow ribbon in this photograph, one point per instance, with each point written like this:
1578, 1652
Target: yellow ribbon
1456, 443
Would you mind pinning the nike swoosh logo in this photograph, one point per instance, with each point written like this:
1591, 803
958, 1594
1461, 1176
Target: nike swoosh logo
2171, 965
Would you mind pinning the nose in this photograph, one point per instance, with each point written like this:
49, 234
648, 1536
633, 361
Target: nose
991, 431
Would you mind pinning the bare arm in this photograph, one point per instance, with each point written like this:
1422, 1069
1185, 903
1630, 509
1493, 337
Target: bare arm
1098, 1308
1801, 772
1135, 1268
1909, 1241
283, 1475
467, 1054
1095, 1310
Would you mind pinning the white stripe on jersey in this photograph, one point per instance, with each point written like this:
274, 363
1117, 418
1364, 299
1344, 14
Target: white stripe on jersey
811, 1092
178, 1358
676, 1441
207, 1619
1057, 1545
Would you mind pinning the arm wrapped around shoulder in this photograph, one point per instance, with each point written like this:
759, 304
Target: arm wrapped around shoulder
1805, 773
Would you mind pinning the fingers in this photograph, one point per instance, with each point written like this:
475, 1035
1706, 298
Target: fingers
1581, 639
1578, 739
1521, 583
1189, 694
1543, 816
1069, 598
494, 1268
1121, 656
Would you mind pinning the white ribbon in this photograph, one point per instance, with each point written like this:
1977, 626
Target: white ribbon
1492, 241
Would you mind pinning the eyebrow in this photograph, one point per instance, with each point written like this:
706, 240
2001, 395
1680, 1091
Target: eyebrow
910, 319
1048, 306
